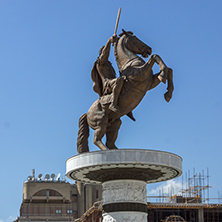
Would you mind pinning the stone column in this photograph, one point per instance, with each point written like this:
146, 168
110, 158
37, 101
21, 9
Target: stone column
88, 196
80, 195
200, 215
124, 200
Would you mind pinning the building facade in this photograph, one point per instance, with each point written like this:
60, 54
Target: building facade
56, 200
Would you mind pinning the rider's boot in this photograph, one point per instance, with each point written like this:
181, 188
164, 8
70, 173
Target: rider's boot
116, 91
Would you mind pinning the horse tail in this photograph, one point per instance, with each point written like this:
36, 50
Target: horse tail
83, 134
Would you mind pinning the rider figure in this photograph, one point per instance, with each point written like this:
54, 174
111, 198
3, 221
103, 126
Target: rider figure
111, 84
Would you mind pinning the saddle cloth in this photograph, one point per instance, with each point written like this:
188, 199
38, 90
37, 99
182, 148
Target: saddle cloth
105, 99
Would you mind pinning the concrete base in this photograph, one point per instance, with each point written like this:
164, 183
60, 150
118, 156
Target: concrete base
124, 175
124, 200
147, 165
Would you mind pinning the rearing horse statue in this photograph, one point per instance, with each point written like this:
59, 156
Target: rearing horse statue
138, 79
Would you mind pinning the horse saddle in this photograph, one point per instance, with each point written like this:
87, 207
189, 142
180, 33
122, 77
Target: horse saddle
107, 99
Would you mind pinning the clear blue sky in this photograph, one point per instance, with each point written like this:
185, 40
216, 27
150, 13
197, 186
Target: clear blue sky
47, 49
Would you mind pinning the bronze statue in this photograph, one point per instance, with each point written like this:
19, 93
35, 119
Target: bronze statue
109, 83
119, 96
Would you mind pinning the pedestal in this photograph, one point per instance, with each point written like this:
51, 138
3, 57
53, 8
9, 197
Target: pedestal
124, 200
124, 175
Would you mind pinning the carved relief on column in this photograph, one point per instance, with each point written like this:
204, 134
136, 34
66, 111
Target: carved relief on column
125, 217
118, 191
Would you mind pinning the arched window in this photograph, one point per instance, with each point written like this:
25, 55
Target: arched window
48, 192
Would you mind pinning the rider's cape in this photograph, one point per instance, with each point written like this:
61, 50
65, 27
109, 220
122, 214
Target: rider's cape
97, 82
98, 87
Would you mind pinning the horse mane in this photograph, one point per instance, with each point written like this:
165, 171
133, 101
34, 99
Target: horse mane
115, 47
125, 32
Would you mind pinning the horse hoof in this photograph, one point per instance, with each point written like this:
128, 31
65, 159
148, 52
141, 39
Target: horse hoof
167, 96
113, 148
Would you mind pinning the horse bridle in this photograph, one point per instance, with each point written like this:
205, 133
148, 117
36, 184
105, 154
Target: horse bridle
144, 53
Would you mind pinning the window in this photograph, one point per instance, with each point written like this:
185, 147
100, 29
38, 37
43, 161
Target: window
58, 211
69, 211
97, 194
48, 193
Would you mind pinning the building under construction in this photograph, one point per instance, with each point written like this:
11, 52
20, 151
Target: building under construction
191, 205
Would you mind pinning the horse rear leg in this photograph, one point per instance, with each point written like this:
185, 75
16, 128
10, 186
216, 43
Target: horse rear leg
99, 133
112, 133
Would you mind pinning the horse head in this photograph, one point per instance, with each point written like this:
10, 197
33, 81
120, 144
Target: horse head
135, 45
128, 47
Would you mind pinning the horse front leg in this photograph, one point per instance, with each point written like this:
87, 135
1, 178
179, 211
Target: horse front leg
164, 74
147, 67
170, 87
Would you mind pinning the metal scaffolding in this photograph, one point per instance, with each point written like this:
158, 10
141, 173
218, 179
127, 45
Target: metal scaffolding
195, 189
